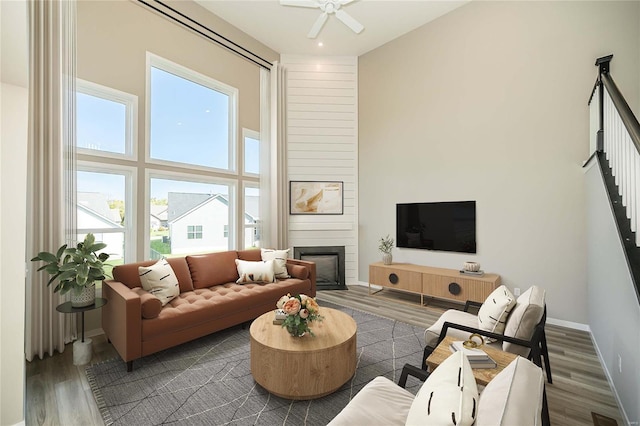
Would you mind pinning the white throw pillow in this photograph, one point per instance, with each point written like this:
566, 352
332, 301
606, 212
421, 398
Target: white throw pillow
160, 280
494, 312
524, 318
513, 397
448, 397
255, 272
280, 261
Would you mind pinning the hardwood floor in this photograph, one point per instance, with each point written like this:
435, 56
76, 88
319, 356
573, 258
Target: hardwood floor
58, 392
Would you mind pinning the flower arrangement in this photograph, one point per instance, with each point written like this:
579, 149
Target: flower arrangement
386, 244
300, 310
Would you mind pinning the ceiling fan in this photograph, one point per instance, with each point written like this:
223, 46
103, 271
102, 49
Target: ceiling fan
327, 7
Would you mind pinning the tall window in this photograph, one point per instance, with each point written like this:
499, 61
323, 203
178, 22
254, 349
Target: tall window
195, 215
192, 117
196, 167
106, 131
105, 120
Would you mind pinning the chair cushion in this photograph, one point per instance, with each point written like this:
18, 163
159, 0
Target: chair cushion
493, 313
513, 397
432, 333
523, 319
448, 397
380, 402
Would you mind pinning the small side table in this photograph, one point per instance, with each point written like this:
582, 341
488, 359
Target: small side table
81, 348
483, 375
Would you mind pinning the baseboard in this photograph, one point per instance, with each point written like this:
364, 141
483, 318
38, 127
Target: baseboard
94, 332
569, 324
625, 417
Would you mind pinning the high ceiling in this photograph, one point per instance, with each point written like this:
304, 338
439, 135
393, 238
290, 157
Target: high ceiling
284, 29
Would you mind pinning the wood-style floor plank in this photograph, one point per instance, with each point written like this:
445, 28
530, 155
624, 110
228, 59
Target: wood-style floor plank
58, 392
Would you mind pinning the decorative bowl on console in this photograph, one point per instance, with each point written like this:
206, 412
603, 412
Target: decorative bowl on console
471, 266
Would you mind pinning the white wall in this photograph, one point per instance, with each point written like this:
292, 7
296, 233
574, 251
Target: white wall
614, 312
322, 145
13, 160
489, 103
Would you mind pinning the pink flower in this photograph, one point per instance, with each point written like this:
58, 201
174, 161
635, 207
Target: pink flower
291, 306
304, 313
312, 305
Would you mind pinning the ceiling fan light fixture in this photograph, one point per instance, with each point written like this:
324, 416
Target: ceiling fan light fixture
327, 7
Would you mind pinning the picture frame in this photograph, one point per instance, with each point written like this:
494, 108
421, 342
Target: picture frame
316, 197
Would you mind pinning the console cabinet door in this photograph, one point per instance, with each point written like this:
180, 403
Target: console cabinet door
395, 278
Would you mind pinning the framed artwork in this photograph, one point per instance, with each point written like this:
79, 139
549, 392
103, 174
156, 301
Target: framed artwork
313, 197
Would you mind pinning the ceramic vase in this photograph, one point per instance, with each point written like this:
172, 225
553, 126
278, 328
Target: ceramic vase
85, 297
387, 258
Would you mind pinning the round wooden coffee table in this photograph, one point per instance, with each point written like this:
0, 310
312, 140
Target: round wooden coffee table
305, 367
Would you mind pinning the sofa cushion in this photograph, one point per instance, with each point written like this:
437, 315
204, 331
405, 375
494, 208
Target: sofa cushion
204, 305
252, 255
493, 313
380, 402
128, 274
298, 271
280, 260
159, 280
255, 272
513, 397
448, 397
523, 319
213, 269
150, 305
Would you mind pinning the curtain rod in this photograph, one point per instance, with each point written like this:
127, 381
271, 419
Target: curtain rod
235, 48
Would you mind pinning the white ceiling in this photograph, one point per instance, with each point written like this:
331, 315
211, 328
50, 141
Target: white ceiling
284, 29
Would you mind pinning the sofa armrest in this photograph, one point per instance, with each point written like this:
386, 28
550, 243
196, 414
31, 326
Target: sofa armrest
311, 266
122, 319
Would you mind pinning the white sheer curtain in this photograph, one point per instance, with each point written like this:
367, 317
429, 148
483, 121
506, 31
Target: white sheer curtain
273, 158
51, 166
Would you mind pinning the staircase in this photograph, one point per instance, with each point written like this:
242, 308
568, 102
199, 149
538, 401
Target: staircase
616, 145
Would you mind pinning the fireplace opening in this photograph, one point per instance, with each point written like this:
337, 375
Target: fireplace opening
329, 262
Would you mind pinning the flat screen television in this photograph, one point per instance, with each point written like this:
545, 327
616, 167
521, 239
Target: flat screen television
444, 226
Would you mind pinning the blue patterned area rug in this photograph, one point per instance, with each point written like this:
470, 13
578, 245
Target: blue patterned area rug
208, 381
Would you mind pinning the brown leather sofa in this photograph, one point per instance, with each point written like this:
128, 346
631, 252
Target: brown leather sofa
210, 300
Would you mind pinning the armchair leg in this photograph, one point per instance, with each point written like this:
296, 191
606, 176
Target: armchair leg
129, 366
545, 354
545, 408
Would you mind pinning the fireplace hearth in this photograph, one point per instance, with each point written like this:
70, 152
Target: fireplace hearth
329, 265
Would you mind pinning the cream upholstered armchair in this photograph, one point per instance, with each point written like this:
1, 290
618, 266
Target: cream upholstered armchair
510, 324
450, 396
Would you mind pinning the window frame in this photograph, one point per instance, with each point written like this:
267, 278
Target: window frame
181, 71
131, 118
130, 191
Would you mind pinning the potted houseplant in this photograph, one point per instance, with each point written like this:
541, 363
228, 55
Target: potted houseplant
76, 269
385, 246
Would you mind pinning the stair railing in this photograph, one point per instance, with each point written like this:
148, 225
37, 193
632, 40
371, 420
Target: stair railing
615, 140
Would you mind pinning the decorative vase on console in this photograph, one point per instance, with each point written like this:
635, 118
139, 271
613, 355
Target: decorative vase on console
385, 246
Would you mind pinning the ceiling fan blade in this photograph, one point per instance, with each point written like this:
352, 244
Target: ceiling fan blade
317, 26
300, 3
345, 2
349, 21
